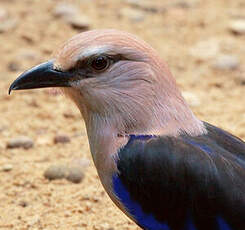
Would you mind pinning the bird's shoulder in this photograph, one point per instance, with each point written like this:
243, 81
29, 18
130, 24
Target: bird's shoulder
215, 144
174, 178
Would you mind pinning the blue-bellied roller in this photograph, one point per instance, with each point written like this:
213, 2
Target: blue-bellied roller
162, 166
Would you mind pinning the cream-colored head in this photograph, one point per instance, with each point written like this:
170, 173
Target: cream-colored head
133, 94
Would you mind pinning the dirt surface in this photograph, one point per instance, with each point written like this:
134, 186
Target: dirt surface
199, 41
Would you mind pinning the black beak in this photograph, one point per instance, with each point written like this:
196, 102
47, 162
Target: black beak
41, 76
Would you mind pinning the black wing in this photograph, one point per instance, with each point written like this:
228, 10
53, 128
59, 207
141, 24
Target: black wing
184, 182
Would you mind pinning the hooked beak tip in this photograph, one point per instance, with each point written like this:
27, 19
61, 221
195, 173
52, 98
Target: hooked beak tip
12, 87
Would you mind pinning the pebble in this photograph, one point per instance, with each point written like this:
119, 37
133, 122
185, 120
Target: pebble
146, 5
3, 14
240, 79
27, 54
33, 103
56, 172
61, 139
19, 61
13, 66
71, 15
134, 2
105, 226
7, 25
185, 4
88, 206
32, 220
79, 22
7, 167
64, 10
226, 62
191, 99
69, 114
237, 26
23, 203
133, 14
204, 50
75, 174
30, 37
20, 142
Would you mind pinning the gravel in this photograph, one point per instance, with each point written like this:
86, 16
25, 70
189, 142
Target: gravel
20, 142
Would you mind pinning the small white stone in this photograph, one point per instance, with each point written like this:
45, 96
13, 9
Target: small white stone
226, 62
8, 24
64, 10
238, 26
132, 14
71, 15
3, 14
7, 167
105, 226
205, 50
80, 22
134, 1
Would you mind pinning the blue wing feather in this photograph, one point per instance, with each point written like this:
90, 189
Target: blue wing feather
145, 220
222, 224
183, 183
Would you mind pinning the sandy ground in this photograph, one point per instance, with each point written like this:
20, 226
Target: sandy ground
190, 35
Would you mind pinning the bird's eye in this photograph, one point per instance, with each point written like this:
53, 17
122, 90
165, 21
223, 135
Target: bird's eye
100, 63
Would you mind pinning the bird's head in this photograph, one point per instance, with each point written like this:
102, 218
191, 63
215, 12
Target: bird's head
117, 81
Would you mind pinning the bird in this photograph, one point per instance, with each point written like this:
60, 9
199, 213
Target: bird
161, 165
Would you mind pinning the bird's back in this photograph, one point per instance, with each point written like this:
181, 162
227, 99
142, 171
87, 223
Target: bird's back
183, 183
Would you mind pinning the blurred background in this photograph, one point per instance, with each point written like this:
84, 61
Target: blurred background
42, 135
